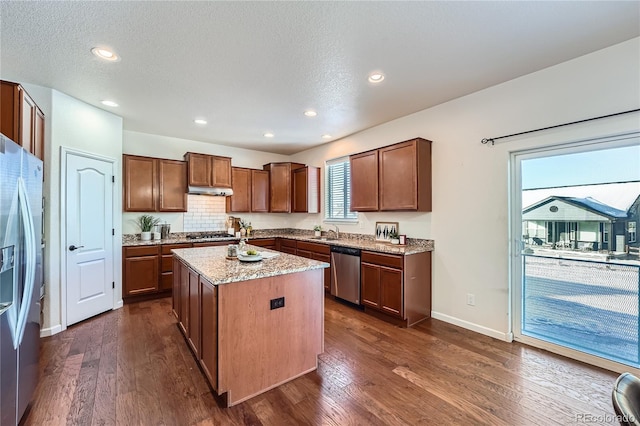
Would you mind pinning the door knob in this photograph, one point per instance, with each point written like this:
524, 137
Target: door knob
72, 247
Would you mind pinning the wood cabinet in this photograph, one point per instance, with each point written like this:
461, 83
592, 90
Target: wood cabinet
240, 201
166, 265
259, 191
141, 266
208, 170
21, 120
209, 328
214, 243
250, 191
315, 251
392, 178
193, 334
281, 186
306, 190
269, 243
364, 181
175, 288
184, 298
397, 286
286, 246
154, 184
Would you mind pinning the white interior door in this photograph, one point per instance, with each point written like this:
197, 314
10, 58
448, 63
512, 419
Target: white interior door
88, 240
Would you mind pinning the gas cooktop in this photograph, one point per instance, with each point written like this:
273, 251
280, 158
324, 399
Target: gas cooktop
214, 234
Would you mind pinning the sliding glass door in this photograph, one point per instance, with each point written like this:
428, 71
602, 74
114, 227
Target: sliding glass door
575, 264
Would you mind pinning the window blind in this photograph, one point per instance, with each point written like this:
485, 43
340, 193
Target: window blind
338, 193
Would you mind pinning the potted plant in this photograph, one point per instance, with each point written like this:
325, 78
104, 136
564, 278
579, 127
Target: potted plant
394, 237
146, 222
317, 230
245, 227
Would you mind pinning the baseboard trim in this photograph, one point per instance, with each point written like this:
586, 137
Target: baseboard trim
119, 304
507, 337
46, 332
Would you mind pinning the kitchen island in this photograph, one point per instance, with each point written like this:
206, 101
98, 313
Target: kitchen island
251, 325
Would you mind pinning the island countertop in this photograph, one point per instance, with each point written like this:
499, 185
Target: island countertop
212, 264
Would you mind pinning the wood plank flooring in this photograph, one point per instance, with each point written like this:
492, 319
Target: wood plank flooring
132, 367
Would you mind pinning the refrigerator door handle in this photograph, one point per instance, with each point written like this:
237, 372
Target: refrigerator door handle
30, 254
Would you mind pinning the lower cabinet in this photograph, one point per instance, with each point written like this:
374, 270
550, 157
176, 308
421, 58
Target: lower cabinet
269, 243
141, 267
397, 286
315, 251
193, 333
286, 246
209, 324
166, 265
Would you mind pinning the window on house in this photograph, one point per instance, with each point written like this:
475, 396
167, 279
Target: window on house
605, 233
337, 194
631, 229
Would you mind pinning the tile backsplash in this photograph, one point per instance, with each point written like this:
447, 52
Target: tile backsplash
205, 213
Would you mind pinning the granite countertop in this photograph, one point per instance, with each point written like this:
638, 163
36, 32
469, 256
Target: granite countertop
212, 263
361, 241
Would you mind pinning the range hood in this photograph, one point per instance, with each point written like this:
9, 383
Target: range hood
207, 190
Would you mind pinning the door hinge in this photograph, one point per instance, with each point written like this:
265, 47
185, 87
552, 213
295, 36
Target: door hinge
113, 284
113, 231
113, 179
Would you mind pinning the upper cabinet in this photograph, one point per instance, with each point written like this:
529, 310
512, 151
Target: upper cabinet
364, 181
20, 118
154, 184
306, 190
250, 191
281, 185
209, 170
402, 180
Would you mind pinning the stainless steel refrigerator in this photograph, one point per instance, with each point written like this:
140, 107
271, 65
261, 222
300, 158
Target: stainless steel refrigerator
20, 278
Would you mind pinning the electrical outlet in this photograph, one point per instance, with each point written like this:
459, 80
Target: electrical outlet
277, 303
471, 299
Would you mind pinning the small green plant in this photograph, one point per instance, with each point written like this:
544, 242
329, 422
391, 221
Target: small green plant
317, 228
393, 235
146, 222
244, 224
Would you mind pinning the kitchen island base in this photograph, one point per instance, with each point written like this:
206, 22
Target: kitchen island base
254, 335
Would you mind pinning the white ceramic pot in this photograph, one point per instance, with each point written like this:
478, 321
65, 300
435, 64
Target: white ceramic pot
317, 233
395, 241
145, 236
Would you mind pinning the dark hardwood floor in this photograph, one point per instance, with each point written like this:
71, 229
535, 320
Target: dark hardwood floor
132, 367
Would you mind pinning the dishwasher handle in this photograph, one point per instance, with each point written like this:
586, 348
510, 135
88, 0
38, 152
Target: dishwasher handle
346, 250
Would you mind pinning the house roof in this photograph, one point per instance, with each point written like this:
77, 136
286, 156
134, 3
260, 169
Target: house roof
618, 195
588, 204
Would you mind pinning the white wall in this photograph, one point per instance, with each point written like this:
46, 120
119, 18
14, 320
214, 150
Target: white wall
136, 143
471, 180
73, 124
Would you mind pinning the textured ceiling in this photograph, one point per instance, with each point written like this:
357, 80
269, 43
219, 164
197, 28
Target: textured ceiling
253, 67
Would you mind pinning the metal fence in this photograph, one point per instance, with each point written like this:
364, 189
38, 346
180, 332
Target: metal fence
587, 305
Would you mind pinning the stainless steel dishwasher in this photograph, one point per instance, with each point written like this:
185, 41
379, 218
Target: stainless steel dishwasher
345, 276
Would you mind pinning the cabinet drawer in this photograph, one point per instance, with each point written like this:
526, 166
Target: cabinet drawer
166, 248
288, 243
304, 253
289, 250
266, 242
214, 243
390, 260
141, 251
314, 247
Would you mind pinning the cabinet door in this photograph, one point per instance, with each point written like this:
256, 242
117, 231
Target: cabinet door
184, 299
304, 253
9, 110
27, 119
370, 285
37, 145
140, 184
172, 183
398, 177
391, 296
209, 344
327, 271
199, 166
141, 275
259, 191
266, 242
175, 295
300, 181
280, 194
364, 181
194, 312
240, 201
221, 171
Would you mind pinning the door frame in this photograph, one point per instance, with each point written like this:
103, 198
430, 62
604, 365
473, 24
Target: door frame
64, 152
515, 243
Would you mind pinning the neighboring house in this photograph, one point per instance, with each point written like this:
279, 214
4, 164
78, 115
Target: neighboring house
583, 222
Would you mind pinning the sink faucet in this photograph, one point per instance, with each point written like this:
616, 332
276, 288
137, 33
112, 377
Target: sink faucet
337, 231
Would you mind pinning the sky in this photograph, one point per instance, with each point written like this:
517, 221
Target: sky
604, 166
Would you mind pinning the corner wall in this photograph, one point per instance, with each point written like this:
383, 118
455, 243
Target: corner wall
470, 218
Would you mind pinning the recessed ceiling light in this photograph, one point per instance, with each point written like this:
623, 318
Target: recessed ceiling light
310, 113
376, 77
326, 136
109, 103
200, 121
105, 54
268, 135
